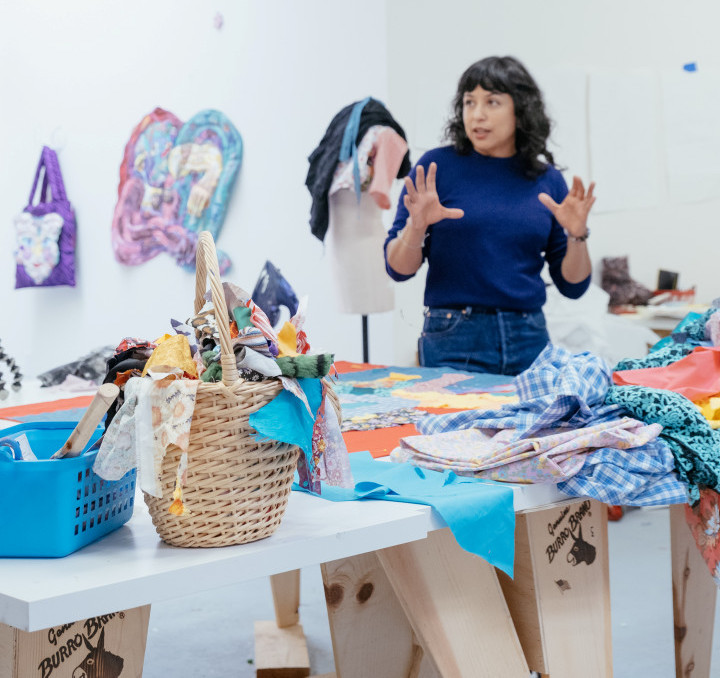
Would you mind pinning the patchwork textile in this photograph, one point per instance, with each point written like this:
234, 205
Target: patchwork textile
559, 390
381, 397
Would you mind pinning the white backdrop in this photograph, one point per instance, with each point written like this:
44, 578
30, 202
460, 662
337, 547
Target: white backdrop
569, 46
79, 75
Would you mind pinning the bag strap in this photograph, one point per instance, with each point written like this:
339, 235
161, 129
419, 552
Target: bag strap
52, 178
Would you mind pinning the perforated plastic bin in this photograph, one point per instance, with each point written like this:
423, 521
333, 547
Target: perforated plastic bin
51, 508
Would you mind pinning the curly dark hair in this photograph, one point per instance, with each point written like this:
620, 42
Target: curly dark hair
532, 125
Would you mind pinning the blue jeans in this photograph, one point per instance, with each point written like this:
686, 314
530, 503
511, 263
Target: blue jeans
497, 342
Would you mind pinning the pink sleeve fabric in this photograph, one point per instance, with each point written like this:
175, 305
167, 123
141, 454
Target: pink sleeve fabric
696, 376
390, 149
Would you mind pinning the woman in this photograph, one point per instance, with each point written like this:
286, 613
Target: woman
487, 212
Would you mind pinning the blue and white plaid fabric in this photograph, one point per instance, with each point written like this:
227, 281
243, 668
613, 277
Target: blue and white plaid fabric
559, 390
565, 390
642, 476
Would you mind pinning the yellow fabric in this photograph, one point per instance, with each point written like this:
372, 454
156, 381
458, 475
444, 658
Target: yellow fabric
710, 409
173, 351
287, 340
458, 401
165, 336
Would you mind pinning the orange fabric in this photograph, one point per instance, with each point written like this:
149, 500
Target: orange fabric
696, 376
41, 408
379, 441
344, 366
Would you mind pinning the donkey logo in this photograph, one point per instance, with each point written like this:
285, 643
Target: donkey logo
581, 551
99, 663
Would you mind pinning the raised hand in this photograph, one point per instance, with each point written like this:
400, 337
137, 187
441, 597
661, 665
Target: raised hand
422, 201
572, 213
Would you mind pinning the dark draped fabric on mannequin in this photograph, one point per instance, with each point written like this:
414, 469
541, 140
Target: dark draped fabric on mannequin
324, 159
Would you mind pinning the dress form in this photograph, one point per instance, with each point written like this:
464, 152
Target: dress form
355, 247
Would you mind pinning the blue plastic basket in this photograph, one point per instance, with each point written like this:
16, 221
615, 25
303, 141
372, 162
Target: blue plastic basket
51, 508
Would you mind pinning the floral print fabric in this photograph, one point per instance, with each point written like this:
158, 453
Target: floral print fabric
548, 456
155, 415
704, 522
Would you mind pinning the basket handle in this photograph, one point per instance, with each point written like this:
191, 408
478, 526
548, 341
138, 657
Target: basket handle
206, 267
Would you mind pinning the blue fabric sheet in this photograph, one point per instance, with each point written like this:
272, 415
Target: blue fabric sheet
285, 418
479, 513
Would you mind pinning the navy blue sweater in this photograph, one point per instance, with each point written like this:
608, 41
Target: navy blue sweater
494, 255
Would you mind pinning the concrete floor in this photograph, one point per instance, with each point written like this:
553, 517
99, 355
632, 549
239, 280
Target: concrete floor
208, 635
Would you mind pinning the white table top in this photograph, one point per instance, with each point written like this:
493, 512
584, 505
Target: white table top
132, 566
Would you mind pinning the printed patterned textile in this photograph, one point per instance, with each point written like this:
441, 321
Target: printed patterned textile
312, 424
710, 409
660, 358
693, 442
343, 176
329, 453
547, 457
697, 330
374, 165
559, 390
155, 414
370, 422
380, 397
704, 522
644, 477
712, 329
38, 248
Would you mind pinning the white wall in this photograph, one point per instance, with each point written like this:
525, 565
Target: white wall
431, 43
80, 74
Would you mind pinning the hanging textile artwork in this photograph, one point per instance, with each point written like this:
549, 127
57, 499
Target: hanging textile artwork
175, 181
45, 232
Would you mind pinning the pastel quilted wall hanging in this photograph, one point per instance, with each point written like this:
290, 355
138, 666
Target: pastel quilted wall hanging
175, 181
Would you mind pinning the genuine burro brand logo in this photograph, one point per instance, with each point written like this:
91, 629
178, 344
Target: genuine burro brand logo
82, 648
580, 551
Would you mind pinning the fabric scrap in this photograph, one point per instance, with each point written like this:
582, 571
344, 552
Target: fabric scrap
479, 513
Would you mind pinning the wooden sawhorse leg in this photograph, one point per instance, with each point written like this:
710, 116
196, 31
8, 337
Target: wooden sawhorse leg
694, 597
280, 645
420, 610
560, 596
112, 644
370, 633
286, 597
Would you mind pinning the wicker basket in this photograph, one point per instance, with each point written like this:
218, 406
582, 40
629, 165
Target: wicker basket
237, 489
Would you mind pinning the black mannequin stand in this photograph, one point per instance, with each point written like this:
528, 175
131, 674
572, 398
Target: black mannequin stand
366, 359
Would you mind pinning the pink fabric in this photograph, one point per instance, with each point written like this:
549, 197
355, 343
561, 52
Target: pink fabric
696, 376
390, 149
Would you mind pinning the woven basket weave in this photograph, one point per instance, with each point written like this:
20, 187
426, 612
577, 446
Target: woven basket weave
237, 489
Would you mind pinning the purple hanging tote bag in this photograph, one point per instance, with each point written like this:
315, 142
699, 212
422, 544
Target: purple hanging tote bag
45, 232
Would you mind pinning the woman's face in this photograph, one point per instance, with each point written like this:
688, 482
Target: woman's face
489, 119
